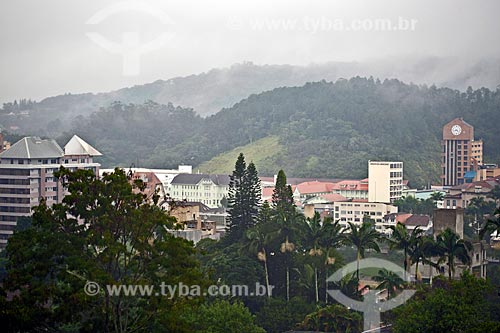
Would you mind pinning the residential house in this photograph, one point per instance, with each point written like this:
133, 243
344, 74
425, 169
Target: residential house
459, 196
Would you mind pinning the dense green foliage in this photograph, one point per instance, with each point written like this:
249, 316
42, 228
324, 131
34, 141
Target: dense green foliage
106, 233
333, 318
325, 129
449, 306
129, 134
413, 205
222, 317
332, 129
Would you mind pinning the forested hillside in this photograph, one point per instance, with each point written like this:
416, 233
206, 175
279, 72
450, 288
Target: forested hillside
207, 93
324, 129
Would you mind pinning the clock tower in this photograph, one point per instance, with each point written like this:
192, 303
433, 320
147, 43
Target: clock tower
460, 152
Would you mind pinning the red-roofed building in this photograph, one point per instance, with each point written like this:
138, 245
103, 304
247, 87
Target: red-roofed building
307, 190
322, 204
459, 196
352, 189
396, 218
411, 221
267, 194
152, 185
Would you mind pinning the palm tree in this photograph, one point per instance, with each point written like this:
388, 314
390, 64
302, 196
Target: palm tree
492, 225
287, 225
363, 238
257, 238
437, 196
479, 206
318, 239
495, 194
389, 281
332, 240
450, 246
314, 232
349, 285
401, 239
422, 250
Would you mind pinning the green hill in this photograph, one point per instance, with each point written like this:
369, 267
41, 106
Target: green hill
207, 93
321, 129
261, 152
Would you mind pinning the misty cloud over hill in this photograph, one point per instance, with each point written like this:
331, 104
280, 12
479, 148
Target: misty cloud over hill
209, 92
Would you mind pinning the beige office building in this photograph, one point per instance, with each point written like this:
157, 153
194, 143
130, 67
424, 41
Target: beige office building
385, 181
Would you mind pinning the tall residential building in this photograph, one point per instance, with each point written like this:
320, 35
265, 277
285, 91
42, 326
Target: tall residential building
385, 181
460, 152
27, 175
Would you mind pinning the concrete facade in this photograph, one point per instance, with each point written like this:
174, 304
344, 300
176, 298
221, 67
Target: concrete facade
27, 175
385, 181
460, 152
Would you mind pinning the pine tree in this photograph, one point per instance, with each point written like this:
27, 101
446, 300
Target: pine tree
244, 198
286, 214
252, 191
283, 195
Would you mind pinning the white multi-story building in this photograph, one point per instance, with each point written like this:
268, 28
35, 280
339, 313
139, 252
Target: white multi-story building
27, 175
385, 181
352, 189
355, 212
207, 189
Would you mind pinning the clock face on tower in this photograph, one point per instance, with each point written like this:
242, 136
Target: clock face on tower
456, 130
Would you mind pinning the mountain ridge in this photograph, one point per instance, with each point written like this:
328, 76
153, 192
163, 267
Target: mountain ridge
209, 92
320, 129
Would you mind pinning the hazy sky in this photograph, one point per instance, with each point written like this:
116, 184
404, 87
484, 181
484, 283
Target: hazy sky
46, 50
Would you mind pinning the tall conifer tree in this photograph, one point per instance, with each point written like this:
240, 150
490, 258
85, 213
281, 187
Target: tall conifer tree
244, 198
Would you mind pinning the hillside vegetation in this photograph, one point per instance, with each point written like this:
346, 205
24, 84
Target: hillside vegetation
262, 152
323, 129
207, 93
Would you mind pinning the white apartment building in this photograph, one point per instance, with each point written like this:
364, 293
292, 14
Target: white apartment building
207, 189
385, 181
352, 211
27, 175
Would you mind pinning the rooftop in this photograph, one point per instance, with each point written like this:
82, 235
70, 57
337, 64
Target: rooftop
314, 187
417, 220
33, 148
194, 179
76, 146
